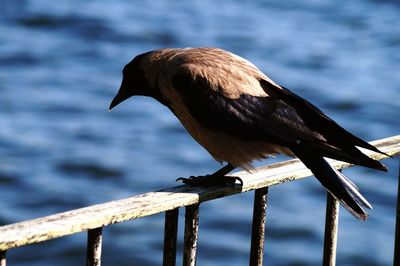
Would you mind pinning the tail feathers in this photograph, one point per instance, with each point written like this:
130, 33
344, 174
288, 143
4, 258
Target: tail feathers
345, 191
354, 192
347, 180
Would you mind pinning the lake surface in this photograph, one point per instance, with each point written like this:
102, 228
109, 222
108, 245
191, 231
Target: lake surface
60, 148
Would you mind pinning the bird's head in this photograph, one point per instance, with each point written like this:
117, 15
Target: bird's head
134, 81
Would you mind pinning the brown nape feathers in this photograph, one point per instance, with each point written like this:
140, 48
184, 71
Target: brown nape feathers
239, 115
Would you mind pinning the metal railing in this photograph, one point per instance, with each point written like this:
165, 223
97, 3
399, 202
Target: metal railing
93, 218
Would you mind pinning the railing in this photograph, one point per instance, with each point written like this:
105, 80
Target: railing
92, 219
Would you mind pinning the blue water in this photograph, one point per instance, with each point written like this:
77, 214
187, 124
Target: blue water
60, 148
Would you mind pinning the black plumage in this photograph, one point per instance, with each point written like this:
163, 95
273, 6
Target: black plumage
239, 115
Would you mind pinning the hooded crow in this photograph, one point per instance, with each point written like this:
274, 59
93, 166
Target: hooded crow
239, 115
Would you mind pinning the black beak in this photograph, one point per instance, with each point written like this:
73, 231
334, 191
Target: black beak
121, 96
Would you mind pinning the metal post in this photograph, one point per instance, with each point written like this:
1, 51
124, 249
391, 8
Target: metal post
170, 236
396, 261
191, 235
93, 252
258, 227
331, 230
3, 261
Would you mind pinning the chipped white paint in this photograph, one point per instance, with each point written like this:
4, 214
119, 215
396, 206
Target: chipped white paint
83, 219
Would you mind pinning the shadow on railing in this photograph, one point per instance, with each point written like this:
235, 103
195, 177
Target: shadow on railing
94, 218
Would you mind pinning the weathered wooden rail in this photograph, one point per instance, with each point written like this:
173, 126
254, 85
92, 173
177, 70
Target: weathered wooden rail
92, 219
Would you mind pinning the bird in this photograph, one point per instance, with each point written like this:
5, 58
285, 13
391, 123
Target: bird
240, 115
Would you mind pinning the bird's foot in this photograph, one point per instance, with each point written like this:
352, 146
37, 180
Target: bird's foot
211, 180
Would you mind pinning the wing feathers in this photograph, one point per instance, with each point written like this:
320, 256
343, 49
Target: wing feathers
282, 118
340, 144
316, 119
248, 117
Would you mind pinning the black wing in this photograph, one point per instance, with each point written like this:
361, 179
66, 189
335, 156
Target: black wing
282, 118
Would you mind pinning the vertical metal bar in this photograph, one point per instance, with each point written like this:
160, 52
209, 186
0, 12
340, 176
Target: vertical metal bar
191, 235
258, 227
3, 260
396, 260
93, 252
170, 236
331, 230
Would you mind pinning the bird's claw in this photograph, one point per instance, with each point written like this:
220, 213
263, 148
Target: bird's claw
210, 180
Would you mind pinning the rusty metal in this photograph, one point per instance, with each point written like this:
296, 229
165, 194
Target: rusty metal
94, 242
191, 235
3, 261
331, 230
258, 227
396, 261
170, 237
